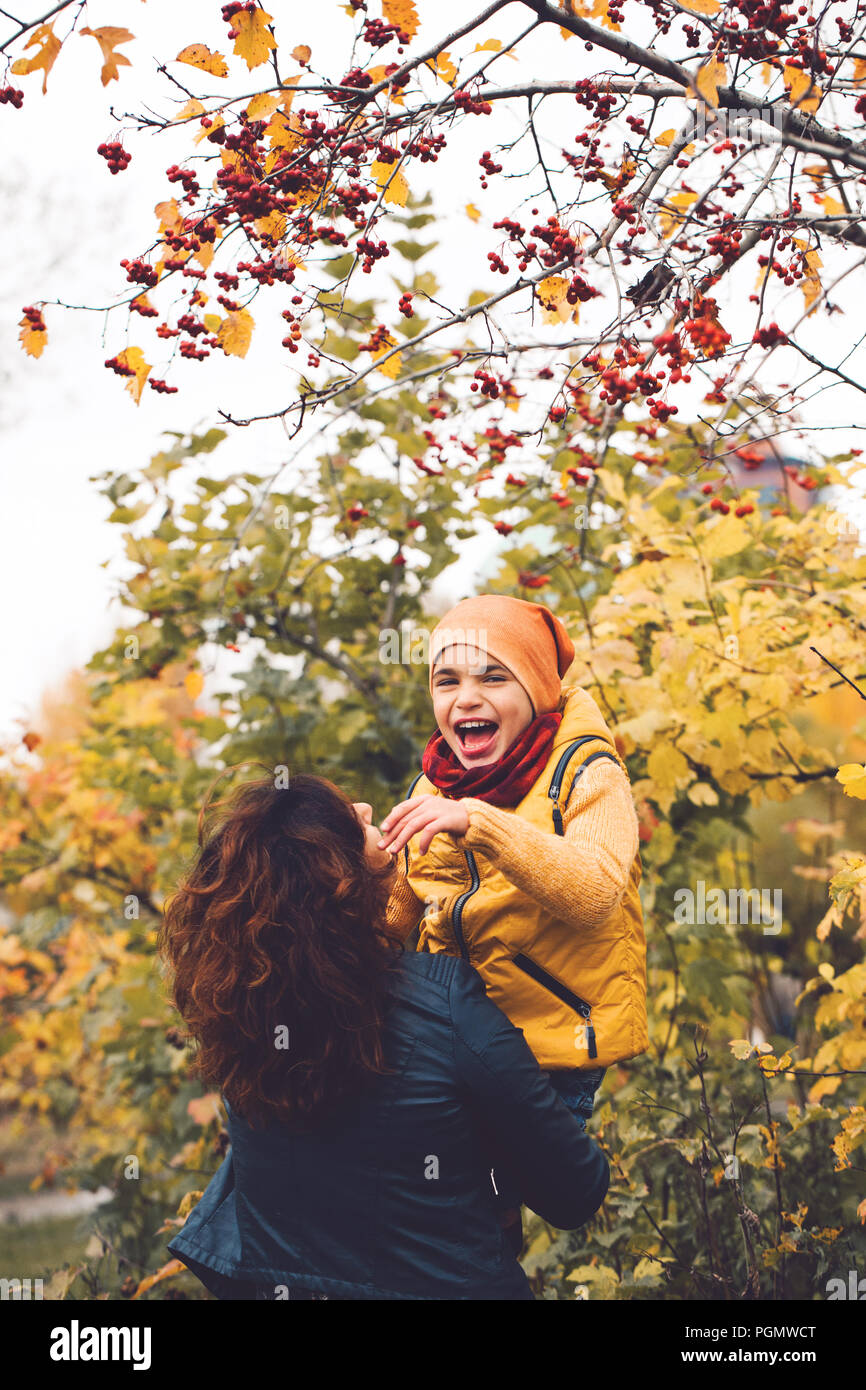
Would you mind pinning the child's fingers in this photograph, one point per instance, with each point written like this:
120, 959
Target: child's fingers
397, 812
403, 808
400, 834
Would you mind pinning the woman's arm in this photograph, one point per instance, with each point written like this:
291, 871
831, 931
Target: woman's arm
561, 1172
585, 870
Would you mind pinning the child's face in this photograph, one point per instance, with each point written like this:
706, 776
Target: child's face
467, 684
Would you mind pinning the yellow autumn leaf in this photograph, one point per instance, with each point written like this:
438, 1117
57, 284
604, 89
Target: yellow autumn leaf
741, 1048
284, 131
667, 138
709, 77
811, 281
402, 13
859, 72
727, 536
134, 357
32, 339
701, 6
193, 684
262, 106
289, 95
551, 292
703, 794
853, 779
667, 769
169, 214
397, 191
391, 368
207, 130
302, 54
802, 91
445, 67
670, 218
833, 207
236, 331
108, 37
377, 75
198, 55
207, 250
167, 1272
46, 57
489, 45
190, 109
254, 42
600, 11
272, 228
472, 212
212, 323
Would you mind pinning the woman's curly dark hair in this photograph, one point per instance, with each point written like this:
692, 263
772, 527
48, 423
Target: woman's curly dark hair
278, 946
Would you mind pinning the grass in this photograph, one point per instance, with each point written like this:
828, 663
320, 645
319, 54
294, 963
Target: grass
33, 1249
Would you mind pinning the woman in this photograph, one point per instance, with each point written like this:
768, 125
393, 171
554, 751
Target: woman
368, 1090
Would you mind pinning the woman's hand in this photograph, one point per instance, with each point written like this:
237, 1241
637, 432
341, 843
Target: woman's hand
428, 815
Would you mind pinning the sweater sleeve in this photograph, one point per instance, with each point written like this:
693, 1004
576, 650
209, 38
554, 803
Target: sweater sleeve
404, 908
581, 874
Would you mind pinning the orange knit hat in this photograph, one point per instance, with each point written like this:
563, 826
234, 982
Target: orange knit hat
527, 637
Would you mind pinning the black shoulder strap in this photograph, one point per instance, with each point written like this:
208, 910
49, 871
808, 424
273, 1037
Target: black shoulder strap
412, 787
559, 773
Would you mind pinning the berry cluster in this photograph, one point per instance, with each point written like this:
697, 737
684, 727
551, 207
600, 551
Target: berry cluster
187, 178
378, 33
138, 272
465, 101
34, 318
405, 305
487, 383
10, 96
770, 336
706, 333
229, 12
119, 367
115, 155
157, 384
294, 337
488, 166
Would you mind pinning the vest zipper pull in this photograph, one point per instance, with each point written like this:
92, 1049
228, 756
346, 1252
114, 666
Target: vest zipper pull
590, 1039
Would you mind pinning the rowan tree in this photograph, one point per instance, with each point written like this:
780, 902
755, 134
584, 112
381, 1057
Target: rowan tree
715, 153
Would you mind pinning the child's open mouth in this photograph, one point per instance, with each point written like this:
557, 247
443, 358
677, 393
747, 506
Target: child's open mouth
476, 736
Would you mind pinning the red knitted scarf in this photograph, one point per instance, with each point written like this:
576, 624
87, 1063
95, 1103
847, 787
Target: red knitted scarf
503, 783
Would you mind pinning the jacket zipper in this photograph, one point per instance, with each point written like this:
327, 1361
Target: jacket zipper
457, 909
550, 982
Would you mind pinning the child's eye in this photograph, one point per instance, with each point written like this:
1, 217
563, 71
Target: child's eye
449, 680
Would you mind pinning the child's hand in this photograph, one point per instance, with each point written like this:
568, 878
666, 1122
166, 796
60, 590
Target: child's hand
427, 814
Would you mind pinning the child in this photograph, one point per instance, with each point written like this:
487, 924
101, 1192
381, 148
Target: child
535, 878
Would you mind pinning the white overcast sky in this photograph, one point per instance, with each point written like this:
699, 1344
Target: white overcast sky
67, 223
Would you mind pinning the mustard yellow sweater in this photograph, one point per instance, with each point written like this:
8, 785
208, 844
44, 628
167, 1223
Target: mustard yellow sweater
583, 872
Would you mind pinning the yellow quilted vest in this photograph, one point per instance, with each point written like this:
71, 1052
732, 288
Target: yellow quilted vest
578, 993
